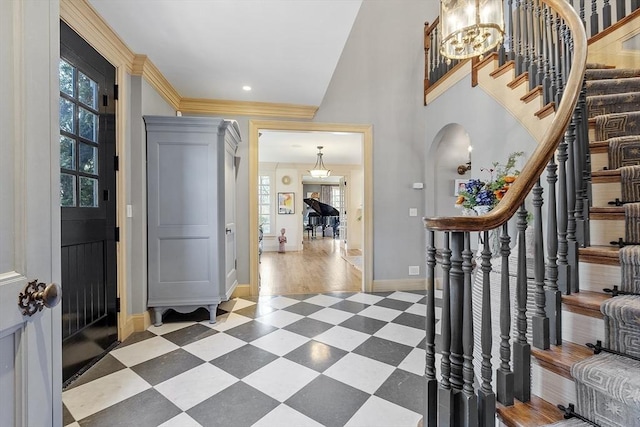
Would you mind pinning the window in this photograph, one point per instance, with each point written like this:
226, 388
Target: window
336, 198
265, 203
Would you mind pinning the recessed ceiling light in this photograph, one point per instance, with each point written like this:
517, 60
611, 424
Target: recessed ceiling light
247, 88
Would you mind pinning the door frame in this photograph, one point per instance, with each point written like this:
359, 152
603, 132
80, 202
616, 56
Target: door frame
367, 163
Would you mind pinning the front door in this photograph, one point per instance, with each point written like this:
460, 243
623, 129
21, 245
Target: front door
88, 202
30, 380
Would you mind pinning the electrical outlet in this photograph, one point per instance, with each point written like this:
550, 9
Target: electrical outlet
414, 270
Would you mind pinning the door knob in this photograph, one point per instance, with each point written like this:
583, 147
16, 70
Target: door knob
37, 296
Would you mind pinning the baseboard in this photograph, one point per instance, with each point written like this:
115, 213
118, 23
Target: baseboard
127, 329
399, 285
141, 321
241, 291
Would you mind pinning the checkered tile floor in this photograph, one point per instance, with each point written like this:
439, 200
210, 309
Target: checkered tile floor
342, 359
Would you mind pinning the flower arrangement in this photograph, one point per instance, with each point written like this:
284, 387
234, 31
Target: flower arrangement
489, 193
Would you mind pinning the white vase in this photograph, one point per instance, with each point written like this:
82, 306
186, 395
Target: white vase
482, 209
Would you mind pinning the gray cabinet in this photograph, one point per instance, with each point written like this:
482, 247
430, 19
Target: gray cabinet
191, 213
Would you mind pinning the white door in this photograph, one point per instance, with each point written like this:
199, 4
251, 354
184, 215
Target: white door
30, 367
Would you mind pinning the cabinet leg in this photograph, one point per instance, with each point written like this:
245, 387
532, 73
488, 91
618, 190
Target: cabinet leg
213, 308
158, 316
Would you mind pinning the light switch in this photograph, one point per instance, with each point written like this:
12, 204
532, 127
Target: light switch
413, 212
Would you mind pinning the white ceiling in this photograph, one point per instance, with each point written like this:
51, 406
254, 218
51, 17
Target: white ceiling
340, 148
286, 50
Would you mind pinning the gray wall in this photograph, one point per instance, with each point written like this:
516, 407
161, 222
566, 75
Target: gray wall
379, 81
144, 100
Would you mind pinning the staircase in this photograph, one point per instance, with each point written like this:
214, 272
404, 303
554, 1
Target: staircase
607, 384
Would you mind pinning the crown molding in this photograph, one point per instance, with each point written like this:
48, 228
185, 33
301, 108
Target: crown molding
142, 66
244, 108
84, 20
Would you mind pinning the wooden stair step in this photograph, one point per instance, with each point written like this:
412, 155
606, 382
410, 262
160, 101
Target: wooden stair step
605, 176
522, 78
607, 255
532, 94
559, 358
546, 110
611, 213
536, 412
599, 147
504, 68
586, 303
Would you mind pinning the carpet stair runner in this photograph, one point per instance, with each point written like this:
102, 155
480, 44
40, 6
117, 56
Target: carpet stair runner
608, 385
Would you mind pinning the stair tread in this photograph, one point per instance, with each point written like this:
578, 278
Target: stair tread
536, 412
614, 172
607, 209
587, 299
560, 358
588, 373
607, 213
609, 255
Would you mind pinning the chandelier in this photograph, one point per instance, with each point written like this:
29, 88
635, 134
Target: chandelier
470, 28
319, 170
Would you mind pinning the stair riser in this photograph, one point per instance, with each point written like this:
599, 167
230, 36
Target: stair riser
623, 337
602, 232
551, 386
581, 329
599, 161
604, 193
595, 277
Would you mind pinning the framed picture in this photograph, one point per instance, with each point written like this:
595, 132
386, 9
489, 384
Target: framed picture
459, 185
286, 203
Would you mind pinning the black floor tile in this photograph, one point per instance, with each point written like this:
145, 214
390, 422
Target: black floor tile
67, 418
189, 334
244, 360
308, 327
385, 351
405, 389
366, 325
166, 366
137, 337
316, 355
256, 310
303, 308
238, 406
327, 401
146, 409
250, 331
105, 366
350, 306
394, 304
412, 320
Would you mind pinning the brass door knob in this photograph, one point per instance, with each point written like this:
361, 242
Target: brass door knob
37, 296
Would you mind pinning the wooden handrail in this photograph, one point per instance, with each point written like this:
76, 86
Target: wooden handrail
534, 167
433, 25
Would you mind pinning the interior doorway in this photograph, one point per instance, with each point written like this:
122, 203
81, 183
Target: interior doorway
285, 168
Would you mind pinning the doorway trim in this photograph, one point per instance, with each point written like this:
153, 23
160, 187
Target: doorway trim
367, 164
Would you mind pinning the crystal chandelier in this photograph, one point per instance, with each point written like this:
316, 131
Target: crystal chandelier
470, 28
319, 170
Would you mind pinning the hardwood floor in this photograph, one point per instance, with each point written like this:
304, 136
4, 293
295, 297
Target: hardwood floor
318, 268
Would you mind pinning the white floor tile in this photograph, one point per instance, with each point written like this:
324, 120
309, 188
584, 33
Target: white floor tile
284, 416
377, 412
279, 318
104, 392
400, 333
165, 328
406, 296
73, 424
380, 313
360, 372
417, 309
214, 346
344, 338
280, 342
227, 321
323, 300
282, 302
236, 304
142, 351
414, 362
182, 420
331, 315
196, 385
365, 298
281, 378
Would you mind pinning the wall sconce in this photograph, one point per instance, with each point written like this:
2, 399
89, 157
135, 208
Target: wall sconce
462, 169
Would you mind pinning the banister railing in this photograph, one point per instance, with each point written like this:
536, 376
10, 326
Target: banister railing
548, 41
